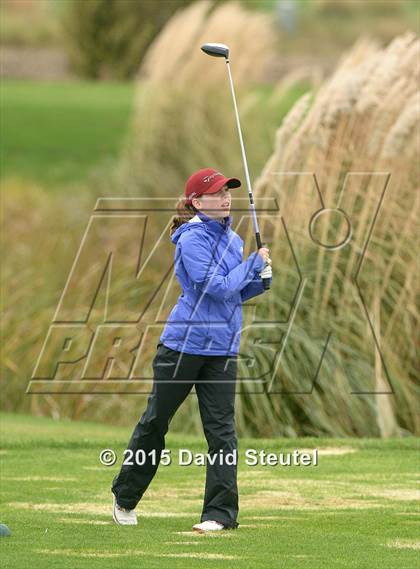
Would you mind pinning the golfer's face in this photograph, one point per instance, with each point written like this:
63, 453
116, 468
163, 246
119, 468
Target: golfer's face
216, 205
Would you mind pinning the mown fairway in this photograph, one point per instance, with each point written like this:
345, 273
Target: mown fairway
56, 133
356, 509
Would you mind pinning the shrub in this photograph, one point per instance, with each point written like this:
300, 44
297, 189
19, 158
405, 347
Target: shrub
108, 38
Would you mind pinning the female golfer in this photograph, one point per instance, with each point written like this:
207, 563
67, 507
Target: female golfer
199, 346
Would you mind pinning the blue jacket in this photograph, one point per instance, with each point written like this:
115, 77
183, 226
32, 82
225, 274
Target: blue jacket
207, 318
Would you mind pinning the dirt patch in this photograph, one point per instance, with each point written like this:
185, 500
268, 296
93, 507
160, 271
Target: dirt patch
399, 494
216, 535
280, 518
156, 499
181, 543
107, 555
92, 509
285, 494
40, 478
164, 494
385, 478
288, 501
165, 514
174, 494
83, 522
293, 483
407, 513
71, 553
54, 508
330, 451
131, 553
199, 555
404, 544
256, 526
252, 474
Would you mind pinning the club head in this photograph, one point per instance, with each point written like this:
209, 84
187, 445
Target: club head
216, 49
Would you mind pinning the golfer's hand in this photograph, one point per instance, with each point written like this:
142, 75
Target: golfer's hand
267, 272
264, 254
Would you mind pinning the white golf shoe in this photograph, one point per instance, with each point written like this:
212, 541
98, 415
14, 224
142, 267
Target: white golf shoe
122, 516
208, 525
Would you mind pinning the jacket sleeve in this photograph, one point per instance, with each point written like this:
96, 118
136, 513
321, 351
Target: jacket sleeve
254, 288
197, 257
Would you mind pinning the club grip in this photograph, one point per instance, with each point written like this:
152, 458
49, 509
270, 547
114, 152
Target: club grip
266, 279
266, 283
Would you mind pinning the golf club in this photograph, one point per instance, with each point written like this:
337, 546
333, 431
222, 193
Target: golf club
221, 50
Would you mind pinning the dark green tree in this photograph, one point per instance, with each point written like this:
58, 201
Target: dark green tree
107, 39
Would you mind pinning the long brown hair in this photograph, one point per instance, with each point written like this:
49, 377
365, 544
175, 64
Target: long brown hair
185, 212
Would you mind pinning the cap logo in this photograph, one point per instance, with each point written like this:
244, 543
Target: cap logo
209, 178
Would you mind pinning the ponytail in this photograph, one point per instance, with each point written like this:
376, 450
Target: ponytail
185, 212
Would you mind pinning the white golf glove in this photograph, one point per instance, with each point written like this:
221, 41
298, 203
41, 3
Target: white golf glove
266, 273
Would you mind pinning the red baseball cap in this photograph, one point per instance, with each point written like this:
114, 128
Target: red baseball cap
207, 181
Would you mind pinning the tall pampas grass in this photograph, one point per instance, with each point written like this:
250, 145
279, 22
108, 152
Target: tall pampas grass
175, 58
183, 113
364, 120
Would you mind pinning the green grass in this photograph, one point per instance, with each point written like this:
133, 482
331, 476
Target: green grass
345, 513
57, 132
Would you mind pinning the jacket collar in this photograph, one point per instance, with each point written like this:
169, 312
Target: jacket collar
213, 224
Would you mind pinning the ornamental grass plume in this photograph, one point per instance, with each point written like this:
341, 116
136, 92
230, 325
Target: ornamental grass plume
175, 57
349, 363
183, 113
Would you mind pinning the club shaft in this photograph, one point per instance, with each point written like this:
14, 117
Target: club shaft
247, 178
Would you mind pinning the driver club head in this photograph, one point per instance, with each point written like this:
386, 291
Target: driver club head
216, 49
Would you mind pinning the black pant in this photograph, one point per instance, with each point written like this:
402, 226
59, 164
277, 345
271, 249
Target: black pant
175, 373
